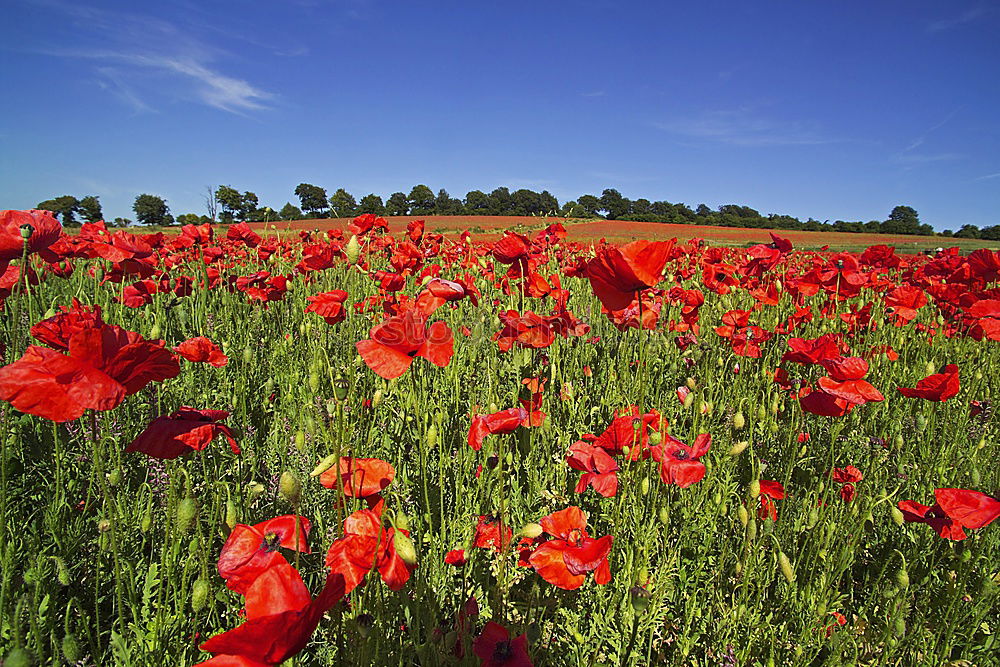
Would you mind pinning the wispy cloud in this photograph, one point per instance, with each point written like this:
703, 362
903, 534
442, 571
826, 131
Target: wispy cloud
594, 93
987, 177
139, 58
914, 159
967, 16
744, 127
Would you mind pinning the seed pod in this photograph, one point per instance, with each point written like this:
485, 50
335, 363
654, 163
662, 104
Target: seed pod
323, 465
755, 488
404, 547
290, 488
432, 437
199, 595
639, 597
897, 516
155, 332
786, 567
742, 515
644, 486
655, 438
751, 528
929, 368
691, 383
739, 447
897, 442
900, 626
902, 578
982, 443
62, 572
187, 514
70, 648
248, 355
739, 421
104, 525
18, 657
921, 423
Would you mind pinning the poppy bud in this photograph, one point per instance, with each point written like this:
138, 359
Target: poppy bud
300, 440
104, 525
18, 657
644, 486
70, 648
755, 488
688, 400
432, 437
982, 443
187, 513
739, 421
902, 578
377, 398
929, 368
664, 516
626, 450
247, 355
314, 382
786, 567
738, 448
531, 530
404, 548
717, 498
340, 387
921, 423
115, 477
975, 476
580, 639
352, 251
401, 522
290, 488
154, 333
199, 595
364, 623
639, 598
62, 572
323, 465
231, 515
741, 514
254, 490
147, 522
897, 442
900, 626
738, 568
751, 528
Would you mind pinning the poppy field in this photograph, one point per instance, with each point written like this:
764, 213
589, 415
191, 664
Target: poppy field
372, 447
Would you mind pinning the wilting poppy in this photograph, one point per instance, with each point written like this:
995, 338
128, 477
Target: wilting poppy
679, 463
202, 350
250, 550
394, 343
495, 648
187, 429
366, 545
565, 559
329, 305
937, 387
280, 618
504, 421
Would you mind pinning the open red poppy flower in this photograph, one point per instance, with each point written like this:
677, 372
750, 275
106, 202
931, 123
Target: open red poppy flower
969, 509
329, 305
679, 463
360, 478
937, 387
366, 545
495, 648
845, 380
815, 350
250, 550
202, 350
280, 618
934, 516
565, 560
627, 429
600, 471
848, 476
186, 430
618, 274
56, 331
42, 227
491, 533
496, 423
394, 344
769, 492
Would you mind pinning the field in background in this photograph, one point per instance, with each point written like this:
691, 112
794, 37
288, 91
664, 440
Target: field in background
584, 231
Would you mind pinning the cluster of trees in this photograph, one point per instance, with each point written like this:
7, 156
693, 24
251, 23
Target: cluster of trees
227, 204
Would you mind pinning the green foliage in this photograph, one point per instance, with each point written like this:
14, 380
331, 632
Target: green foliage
312, 198
152, 210
64, 208
290, 212
343, 204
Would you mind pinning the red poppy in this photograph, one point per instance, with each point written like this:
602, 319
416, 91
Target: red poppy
934, 516
845, 380
250, 550
617, 274
495, 648
41, 226
202, 350
58, 329
565, 560
848, 476
365, 223
187, 429
329, 305
455, 557
903, 302
505, 421
679, 463
813, 351
138, 294
529, 330
627, 429
366, 545
969, 509
769, 492
938, 387
492, 534
280, 615
394, 343
512, 248
242, 233
360, 478
104, 365
599, 469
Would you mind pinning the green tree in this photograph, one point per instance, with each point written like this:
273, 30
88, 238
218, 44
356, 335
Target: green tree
525, 202
991, 233
250, 206
500, 202
152, 210
547, 202
90, 209
397, 204
902, 220
231, 201
614, 205
312, 198
64, 208
290, 212
421, 200
571, 209
189, 219
445, 204
343, 204
968, 232
590, 204
477, 202
121, 222
371, 204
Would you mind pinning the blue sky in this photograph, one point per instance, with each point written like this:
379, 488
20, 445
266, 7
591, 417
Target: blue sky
834, 110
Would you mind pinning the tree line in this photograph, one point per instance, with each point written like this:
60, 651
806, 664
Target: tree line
227, 204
